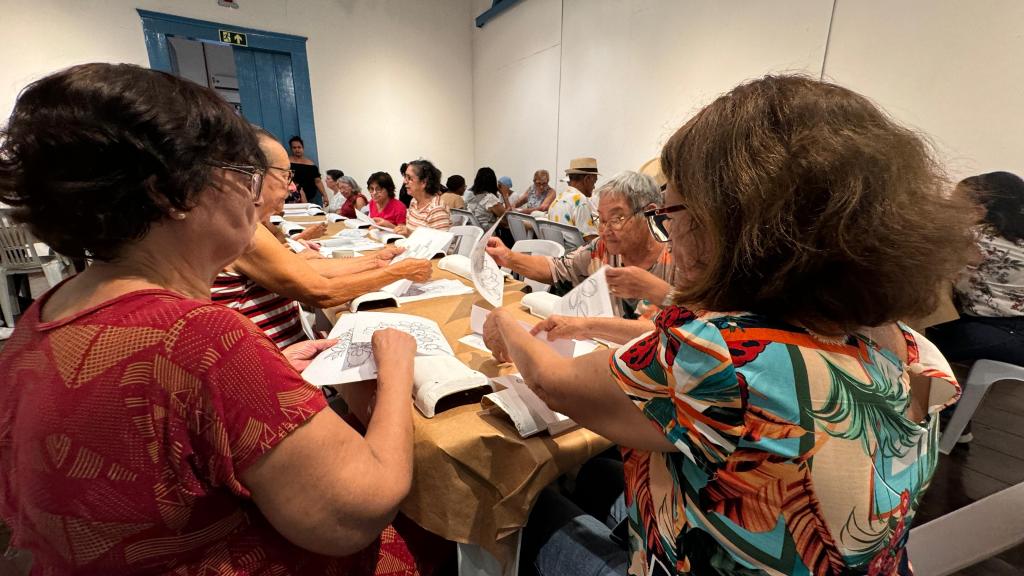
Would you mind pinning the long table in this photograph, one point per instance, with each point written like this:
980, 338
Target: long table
475, 479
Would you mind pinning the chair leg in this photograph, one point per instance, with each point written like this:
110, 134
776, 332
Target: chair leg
974, 392
8, 302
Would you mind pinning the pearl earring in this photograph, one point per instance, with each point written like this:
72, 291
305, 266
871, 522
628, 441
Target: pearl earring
177, 215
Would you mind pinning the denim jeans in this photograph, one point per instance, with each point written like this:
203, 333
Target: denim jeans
980, 338
563, 540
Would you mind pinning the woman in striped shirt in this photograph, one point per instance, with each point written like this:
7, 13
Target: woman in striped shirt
423, 181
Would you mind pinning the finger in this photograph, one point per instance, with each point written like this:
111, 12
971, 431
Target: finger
323, 344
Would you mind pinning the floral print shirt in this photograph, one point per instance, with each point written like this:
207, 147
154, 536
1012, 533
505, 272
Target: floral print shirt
995, 287
795, 455
573, 208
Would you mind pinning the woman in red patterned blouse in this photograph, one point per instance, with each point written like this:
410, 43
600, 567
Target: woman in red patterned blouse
144, 429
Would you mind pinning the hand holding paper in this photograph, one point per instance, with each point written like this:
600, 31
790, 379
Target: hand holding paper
487, 276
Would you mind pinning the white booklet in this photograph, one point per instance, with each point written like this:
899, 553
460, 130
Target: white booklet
567, 348
528, 413
487, 277
589, 298
387, 295
383, 235
440, 380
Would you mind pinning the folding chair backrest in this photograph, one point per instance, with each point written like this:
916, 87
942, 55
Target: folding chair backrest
568, 236
523, 227
17, 249
465, 238
462, 217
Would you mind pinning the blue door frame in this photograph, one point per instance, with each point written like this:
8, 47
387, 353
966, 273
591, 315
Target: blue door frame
156, 27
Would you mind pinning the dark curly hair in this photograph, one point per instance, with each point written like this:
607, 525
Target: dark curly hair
808, 203
93, 155
1001, 194
382, 179
431, 176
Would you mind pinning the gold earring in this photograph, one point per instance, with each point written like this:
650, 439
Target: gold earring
177, 215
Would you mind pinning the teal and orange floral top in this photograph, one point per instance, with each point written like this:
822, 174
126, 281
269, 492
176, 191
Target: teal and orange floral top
795, 455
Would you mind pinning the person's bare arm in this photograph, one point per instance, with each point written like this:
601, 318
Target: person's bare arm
337, 267
548, 201
617, 330
330, 490
582, 388
534, 267
277, 269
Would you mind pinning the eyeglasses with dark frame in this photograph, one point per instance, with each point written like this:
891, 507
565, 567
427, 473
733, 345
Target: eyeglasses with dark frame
614, 223
288, 173
658, 218
255, 177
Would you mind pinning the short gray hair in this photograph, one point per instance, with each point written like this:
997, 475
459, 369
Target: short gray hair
351, 182
638, 189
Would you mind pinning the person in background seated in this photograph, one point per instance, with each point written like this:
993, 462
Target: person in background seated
354, 199
334, 198
990, 292
505, 190
181, 440
306, 174
486, 204
642, 271
267, 283
538, 197
385, 210
779, 419
573, 206
423, 180
455, 187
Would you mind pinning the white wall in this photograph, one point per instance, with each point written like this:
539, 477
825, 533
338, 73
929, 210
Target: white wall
391, 79
631, 71
951, 68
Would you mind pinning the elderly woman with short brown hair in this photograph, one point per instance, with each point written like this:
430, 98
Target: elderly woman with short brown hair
779, 419
144, 429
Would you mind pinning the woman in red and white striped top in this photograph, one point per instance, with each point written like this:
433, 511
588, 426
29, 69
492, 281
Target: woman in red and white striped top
423, 182
275, 315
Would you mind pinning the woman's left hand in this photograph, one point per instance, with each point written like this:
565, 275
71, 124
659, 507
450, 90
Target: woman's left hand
387, 254
301, 354
632, 282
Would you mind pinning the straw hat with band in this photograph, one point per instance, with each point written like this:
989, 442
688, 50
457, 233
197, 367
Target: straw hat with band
584, 166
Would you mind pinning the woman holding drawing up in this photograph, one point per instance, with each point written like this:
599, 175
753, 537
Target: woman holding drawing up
778, 418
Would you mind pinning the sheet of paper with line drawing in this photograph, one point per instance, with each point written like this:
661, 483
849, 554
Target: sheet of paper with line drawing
487, 277
328, 368
428, 336
590, 298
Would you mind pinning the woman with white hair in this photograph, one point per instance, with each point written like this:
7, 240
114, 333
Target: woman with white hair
641, 268
349, 189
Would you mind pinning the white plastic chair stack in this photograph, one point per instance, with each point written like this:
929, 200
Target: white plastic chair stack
18, 255
538, 247
569, 237
523, 227
465, 238
984, 373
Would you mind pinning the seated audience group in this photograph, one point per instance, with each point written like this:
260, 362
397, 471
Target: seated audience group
773, 413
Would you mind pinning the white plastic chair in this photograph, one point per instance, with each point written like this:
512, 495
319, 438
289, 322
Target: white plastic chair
18, 255
984, 373
462, 217
523, 227
538, 247
465, 238
569, 237
969, 535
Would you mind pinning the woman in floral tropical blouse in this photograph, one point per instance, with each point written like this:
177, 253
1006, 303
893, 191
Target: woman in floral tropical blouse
779, 419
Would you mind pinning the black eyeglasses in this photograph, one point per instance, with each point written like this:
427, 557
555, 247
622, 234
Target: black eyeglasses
288, 173
658, 218
255, 177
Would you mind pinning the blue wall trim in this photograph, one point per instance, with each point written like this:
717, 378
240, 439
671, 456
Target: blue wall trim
497, 7
157, 26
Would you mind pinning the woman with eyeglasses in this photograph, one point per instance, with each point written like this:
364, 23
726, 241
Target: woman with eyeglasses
144, 429
779, 419
641, 272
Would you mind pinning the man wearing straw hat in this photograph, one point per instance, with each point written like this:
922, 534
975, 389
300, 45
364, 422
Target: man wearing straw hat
572, 206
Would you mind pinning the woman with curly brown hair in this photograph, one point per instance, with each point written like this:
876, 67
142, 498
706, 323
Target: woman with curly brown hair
779, 419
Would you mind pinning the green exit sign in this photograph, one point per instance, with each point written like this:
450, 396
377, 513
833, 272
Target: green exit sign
236, 38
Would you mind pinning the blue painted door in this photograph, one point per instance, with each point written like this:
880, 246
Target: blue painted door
266, 86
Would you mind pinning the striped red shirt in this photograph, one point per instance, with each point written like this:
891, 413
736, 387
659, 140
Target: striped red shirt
275, 315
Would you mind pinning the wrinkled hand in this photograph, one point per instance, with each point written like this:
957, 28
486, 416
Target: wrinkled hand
311, 232
393, 350
561, 327
497, 249
386, 254
414, 269
382, 222
402, 229
309, 244
494, 339
301, 354
632, 282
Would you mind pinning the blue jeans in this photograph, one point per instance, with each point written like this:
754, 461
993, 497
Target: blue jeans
563, 540
973, 338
